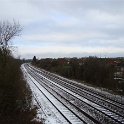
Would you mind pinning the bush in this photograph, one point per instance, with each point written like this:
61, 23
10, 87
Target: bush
15, 95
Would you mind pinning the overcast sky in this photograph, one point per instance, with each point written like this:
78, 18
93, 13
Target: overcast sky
67, 28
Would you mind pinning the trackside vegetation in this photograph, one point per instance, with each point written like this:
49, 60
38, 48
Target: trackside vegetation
15, 95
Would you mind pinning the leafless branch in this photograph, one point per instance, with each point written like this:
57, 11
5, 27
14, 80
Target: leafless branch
8, 31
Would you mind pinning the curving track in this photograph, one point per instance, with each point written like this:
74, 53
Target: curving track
77, 103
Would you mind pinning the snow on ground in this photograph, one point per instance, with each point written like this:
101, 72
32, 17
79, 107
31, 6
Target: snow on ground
46, 111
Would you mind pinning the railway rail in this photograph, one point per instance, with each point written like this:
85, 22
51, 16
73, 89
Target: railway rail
87, 106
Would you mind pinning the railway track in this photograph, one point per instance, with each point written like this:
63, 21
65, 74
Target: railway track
109, 98
106, 103
69, 116
114, 107
65, 91
80, 114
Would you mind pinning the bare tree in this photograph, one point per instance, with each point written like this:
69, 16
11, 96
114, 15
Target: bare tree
8, 31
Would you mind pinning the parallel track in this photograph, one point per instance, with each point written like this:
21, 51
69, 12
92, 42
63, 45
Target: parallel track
109, 116
94, 98
79, 120
117, 102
